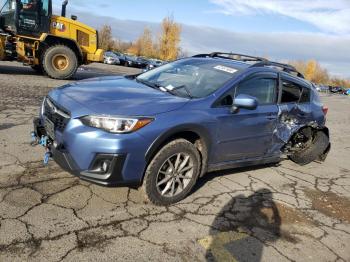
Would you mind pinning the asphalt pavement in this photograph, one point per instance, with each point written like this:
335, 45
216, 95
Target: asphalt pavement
279, 212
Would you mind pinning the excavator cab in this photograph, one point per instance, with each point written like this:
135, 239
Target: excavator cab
26, 17
51, 44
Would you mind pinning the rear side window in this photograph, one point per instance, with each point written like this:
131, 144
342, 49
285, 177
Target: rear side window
305, 95
292, 92
264, 89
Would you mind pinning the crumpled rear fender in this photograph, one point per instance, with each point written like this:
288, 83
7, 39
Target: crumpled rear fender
289, 122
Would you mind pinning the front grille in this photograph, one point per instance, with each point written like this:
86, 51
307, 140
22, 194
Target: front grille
56, 114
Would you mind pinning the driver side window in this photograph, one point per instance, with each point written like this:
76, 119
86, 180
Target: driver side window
263, 89
8, 6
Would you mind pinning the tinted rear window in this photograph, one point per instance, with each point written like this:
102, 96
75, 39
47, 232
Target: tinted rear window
290, 92
305, 95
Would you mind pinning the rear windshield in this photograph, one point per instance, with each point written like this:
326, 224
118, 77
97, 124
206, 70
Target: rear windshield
199, 77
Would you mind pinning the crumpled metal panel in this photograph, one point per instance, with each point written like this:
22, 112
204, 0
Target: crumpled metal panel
290, 118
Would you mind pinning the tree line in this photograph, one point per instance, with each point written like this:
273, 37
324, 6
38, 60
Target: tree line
314, 72
165, 46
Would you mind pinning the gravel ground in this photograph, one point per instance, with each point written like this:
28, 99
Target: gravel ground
266, 213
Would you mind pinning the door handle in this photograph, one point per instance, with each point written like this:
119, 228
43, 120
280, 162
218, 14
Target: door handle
271, 117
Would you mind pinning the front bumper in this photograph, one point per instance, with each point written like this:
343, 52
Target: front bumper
81, 150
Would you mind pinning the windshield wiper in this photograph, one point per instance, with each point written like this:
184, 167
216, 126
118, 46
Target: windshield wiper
164, 89
180, 87
147, 83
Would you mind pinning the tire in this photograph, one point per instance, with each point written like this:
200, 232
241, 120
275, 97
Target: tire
60, 62
313, 152
157, 171
38, 69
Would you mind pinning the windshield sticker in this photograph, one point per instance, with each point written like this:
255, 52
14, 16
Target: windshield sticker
169, 87
225, 69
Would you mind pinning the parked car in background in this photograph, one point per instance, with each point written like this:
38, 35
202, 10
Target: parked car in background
131, 60
135, 61
153, 63
121, 57
337, 90
166, 128
321, 88
142, 62
111, 59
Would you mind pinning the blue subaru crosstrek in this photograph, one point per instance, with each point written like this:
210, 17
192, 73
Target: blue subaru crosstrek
165, 128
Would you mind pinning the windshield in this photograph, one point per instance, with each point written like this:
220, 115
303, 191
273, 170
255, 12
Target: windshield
7, 6
190, 77
110, 54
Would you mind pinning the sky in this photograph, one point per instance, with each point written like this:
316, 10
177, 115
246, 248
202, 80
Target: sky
279, 29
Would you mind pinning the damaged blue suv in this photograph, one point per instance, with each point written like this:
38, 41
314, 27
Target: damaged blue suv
166, 128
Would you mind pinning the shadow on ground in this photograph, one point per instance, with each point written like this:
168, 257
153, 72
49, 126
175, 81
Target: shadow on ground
242, 226
210, 176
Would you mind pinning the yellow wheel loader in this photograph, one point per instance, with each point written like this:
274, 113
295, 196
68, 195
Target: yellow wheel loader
50, 44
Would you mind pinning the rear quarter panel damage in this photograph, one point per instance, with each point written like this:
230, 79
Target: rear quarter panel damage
290, 120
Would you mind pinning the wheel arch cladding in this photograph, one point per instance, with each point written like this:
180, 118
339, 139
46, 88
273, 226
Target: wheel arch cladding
196, 134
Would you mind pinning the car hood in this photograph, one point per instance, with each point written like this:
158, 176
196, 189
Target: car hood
114, 96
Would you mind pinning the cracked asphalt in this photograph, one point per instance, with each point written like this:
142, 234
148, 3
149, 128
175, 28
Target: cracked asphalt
279, 212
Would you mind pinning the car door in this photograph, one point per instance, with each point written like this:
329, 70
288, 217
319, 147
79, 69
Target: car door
294, 104
247, 134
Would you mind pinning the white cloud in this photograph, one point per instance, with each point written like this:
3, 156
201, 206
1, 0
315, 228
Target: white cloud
332, 51
332, 16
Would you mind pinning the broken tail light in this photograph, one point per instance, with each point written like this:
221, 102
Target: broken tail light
325, 110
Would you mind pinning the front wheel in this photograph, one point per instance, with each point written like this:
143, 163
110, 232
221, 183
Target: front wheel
60, 62
172, 173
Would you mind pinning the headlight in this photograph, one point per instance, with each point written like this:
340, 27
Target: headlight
115, 124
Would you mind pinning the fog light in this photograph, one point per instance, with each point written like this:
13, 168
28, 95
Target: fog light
105, 166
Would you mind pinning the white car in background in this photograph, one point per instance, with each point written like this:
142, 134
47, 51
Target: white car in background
111, 59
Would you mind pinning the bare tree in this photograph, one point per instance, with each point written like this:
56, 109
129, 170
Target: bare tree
105, 38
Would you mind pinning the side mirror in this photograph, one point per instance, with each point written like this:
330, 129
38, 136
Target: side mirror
244, 101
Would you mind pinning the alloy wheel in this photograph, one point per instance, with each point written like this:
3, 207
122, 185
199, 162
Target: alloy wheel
175, 174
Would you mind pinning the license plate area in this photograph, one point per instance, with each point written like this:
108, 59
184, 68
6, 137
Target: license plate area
49, 128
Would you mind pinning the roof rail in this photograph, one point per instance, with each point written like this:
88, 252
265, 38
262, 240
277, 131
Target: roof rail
233, 56
285, 67
260, 61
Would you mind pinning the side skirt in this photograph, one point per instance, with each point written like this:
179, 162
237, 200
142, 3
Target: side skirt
244, 163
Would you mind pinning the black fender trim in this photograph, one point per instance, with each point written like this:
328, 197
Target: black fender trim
201, 131
52, 40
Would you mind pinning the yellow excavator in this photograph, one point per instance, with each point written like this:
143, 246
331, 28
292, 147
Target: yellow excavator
50, 44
